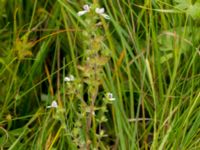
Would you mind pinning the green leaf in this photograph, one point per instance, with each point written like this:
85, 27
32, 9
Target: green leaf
194, 10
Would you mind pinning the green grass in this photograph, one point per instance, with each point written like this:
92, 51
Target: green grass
147, 55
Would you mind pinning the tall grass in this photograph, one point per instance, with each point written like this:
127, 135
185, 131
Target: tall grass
147, 55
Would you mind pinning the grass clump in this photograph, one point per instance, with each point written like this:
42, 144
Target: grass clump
99, 75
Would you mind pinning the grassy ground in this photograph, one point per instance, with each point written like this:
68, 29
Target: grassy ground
130, 80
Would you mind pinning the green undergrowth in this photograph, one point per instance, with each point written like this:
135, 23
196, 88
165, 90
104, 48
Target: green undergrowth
75, 76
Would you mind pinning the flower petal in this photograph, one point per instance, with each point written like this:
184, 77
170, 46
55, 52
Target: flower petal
110, 97
80, 13
99, 10
69, 78
105, 16
86, 7
53, 105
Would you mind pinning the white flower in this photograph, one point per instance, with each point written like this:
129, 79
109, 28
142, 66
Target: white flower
69, 78
86, 9
110, 97
101, 11
53, 105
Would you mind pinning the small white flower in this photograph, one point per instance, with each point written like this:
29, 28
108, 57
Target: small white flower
69, 78
110, 97
53, 105
101, 11
86, 9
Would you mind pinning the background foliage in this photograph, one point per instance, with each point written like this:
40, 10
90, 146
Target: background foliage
152, 68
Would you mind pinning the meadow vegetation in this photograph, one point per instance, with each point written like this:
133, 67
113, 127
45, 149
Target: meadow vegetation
100, 74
